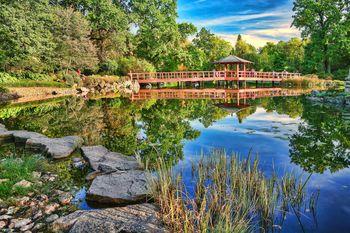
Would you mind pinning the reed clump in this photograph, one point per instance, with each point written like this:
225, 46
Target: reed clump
310, 81
227, 195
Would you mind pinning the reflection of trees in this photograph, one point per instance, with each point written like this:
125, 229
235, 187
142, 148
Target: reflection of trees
323, 141
113, 122
291, 106
244, 113
166, 124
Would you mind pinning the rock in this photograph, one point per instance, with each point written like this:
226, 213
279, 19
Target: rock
2, 224
135, 218
38, 215
22, 222
21, 136
65, 198
78, 163
51, 208
11, 210
5, 217
101, 159
120, 188
49, 177
5, 135
27, 227
315, 93
23, 184
38, 226
57, 148
22, 201
52, 218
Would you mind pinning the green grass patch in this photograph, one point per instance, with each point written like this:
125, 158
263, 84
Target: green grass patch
31, 83
14, 169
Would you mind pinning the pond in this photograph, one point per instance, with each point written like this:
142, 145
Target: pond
287, 133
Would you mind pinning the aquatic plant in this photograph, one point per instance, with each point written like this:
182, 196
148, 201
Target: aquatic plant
229, 195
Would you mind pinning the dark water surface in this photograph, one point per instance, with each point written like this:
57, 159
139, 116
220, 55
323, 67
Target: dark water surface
289, 134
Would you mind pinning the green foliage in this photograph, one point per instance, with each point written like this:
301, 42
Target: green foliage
213, 47
7, 78
326, 23
71, 78
74, 49
16, 169
109, 67
134, 65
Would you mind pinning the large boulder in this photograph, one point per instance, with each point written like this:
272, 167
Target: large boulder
105, 161
120, 188
129, 219
21, 136
57, 148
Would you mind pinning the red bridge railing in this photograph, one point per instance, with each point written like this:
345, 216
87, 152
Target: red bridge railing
196, 76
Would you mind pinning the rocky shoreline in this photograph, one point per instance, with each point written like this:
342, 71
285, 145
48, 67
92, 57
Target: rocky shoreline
118, 182
340, 100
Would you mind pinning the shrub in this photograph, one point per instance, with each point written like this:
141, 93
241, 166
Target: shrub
33, 76
7, 78
71, 78
109, 67
134, 65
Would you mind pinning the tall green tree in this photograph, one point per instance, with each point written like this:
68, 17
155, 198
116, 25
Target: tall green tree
326, 23
26, 43
213, 47
158, 36
74, 49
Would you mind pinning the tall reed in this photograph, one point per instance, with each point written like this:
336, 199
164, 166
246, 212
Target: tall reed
230, 195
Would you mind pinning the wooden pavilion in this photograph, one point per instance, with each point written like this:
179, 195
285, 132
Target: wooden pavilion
237, 62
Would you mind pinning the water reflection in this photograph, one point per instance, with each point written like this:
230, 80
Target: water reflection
284, 128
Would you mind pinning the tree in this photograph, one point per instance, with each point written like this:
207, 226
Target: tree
245, 50
109, 28
186, 30
324, 22
158, 36
213, 47
73, 46
25, 42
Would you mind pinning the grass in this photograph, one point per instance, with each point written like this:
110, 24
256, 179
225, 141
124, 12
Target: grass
229, 195
31, 83
311, 81
15, 169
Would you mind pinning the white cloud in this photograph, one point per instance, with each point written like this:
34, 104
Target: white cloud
259, 37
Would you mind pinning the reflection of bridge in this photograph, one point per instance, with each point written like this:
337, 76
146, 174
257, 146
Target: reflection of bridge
201, 76
215, 93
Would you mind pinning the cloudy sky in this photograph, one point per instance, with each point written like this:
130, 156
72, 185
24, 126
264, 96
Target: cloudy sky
259, 21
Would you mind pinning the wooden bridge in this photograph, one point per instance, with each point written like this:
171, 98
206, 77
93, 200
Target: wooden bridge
202, 76
231, 68
216, 94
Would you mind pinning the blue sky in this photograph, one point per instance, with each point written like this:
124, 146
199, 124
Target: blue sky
259, 21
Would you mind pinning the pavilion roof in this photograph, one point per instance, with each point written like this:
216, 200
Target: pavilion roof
232, 60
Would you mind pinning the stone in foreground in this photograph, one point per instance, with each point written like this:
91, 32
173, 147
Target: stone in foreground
103, 160
134, 218
120, 188
57, 148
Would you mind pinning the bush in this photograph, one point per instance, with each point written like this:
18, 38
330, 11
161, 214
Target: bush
7, 78
33, 76
109, 67
134, 65
341, 74
71, 78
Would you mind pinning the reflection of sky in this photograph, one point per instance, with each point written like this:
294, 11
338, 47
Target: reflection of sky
266, 134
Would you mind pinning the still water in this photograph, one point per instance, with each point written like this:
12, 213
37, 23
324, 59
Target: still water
288, 133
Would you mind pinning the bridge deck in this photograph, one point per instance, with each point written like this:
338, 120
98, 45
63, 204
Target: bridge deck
200, 76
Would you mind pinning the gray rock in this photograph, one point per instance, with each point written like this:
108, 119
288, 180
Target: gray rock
27, 227
52, 218
22, 222
5, 135
101, 159
135, 218
57, 148
21, 136
120, 188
